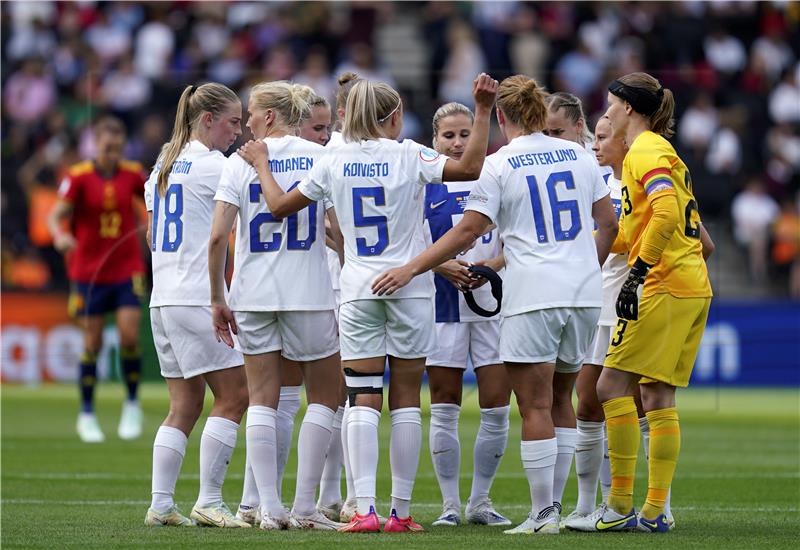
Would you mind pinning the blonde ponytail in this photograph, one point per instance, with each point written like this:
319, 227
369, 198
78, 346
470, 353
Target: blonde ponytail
368, 106
288, 101
213, 98
522, 101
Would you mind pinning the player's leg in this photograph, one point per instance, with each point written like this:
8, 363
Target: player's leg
445, 366
88, 426
564, 420
644, 427
330, 501
362, 330
128, 319
288, 406
409, 339
445, 386
494, 394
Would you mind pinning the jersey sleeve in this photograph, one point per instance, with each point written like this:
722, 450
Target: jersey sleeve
651, 166
230, 181
485, 196
425, 165
316, 185
149, 186
69, 188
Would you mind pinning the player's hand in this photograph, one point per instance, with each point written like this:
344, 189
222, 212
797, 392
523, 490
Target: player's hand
628, 299
457, 273
255, 153
224, 323
64, 242
477, 280
484, 90
391, 281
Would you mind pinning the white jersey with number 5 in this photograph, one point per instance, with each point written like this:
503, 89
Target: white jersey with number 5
540, 191
378, 189
279, 264
182, 225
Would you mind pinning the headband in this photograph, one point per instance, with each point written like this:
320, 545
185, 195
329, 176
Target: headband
193, 90
380, 120
497, 290
643, 101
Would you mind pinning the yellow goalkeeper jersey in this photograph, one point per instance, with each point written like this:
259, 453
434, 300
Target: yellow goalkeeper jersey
652, 169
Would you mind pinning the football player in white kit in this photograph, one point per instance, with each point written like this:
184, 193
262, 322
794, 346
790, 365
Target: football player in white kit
317, 128
462, 334
377, 186
180, 200
566, 120
279, 306
542, 193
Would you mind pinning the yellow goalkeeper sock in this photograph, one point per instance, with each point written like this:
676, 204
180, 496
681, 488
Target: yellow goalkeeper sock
665, 445
622, 424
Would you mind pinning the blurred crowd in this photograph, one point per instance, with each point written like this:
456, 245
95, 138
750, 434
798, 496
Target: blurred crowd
734, 68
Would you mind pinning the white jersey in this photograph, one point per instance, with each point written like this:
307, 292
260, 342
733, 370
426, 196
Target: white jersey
378, 188
182, 225
444, 208
539, 191
279, 264
616, 269
336, 140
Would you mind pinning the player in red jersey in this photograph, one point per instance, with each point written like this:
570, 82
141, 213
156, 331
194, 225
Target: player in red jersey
100, 241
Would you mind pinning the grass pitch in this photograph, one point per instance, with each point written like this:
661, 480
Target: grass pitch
737, 484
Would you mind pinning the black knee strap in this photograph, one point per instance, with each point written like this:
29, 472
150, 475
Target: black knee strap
362, 382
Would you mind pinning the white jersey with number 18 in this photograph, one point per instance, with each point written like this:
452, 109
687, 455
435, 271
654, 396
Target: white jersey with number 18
540, 191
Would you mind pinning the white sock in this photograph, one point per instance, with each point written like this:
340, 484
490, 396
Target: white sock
446, 451
288, 406
588, 459
404, 456
539, 461
348, 470
216, 447
261, 452
362, 442
330, 487
490, 445
169, 447
312, 443
249, 488
644, 427
605, 468
566, 438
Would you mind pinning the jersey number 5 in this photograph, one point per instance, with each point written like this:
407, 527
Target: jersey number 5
173, 224
378, 195
557, 207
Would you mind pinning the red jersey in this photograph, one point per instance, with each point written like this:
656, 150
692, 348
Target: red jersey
104, 222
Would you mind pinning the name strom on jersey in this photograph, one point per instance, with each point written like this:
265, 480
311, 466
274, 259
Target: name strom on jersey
280, 264
378, 189
181, 226
544, 213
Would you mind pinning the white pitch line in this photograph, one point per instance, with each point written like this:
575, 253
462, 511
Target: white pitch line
414, 505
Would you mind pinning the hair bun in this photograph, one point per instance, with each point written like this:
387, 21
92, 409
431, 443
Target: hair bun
528, 89
344, 78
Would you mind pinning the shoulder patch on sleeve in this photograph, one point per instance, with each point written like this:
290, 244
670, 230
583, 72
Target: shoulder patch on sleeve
428, 155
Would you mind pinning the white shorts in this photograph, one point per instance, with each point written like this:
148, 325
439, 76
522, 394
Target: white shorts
185, 342
560, 335
298, 335
480, 340
599, 348
401, 327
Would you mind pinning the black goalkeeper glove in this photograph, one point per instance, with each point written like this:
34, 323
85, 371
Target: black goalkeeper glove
628, 299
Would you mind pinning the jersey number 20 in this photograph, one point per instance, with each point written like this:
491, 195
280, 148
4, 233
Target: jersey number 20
556, 207
173, 224
293, 241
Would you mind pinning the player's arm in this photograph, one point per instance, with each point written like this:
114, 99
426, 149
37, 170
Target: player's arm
335, 234
705, 240
607, 227
224, 323
149, 230
472, 226
484, 90
280, 203
63, 240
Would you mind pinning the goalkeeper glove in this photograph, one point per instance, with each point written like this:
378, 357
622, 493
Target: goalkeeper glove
628, 299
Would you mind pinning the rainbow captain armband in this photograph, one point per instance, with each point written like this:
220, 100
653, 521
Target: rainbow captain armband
497, 290
657, 179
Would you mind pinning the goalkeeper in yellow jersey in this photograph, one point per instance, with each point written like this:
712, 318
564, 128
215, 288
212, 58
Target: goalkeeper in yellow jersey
662, 307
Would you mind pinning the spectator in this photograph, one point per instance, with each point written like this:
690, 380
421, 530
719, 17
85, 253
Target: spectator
316, 73
754, 212
773, 52
464, 61
362, 61
724, 52
786, 248
784, 101
125, 89
29, 93
155, 43
698, 123
579, 71
108, 40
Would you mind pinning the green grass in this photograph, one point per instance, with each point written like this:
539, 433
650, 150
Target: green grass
737, 484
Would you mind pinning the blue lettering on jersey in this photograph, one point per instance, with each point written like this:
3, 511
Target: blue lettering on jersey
179, 167
292, 164
365, 169
542, 159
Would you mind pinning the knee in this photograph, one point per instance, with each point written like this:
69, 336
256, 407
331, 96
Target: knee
184, 414
445, 395
235, 403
